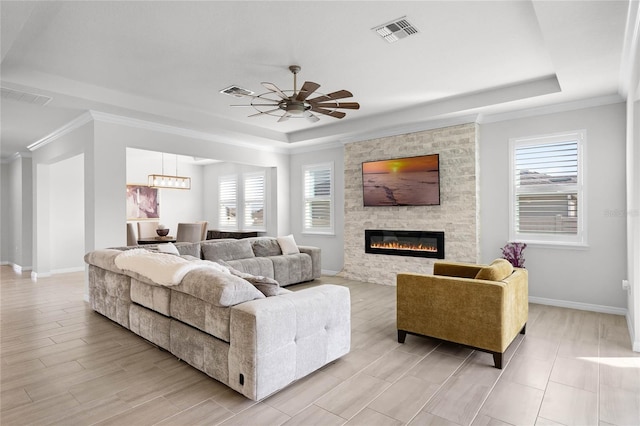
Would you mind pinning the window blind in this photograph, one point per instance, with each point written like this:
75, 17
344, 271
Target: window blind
228, 204
547, 188
254, 200
318, 198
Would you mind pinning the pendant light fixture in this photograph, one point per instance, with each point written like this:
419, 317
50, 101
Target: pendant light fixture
169, 181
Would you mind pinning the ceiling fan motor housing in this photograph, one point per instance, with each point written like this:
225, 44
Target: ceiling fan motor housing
294, 107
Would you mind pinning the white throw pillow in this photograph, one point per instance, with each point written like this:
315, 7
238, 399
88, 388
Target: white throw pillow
168, 248
288, 245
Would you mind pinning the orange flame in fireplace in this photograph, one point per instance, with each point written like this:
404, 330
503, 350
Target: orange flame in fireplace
400, 245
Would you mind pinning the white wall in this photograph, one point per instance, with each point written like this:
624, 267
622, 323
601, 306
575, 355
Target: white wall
45, 161
590, 276
5, 217
175, 205
332, 245
66, 214
19, 212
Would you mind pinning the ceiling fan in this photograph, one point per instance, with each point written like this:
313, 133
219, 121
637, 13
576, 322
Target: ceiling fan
296, 104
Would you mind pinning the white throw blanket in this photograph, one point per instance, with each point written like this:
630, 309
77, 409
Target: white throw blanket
163, 269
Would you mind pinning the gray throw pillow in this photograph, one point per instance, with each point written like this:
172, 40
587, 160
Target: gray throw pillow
267, 286
265, 247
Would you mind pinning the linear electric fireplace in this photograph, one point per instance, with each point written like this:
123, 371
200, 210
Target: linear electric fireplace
404, 243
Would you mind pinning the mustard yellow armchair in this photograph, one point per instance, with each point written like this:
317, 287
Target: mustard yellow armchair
483, 307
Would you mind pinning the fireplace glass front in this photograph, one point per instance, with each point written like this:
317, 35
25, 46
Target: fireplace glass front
405, 243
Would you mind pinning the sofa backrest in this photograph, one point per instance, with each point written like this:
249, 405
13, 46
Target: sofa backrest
228, 249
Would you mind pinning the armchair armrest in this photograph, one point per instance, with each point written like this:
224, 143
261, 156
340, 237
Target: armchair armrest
277, 340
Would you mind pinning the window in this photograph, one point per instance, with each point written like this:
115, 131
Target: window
547, 196
254, 196
242, 203
318, 198
227, 202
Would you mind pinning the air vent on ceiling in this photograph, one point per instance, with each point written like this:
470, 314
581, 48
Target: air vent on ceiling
236, 91
20, 96
396, 30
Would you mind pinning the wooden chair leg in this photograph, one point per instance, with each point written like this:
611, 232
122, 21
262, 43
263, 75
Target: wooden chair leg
497, 360
401, 336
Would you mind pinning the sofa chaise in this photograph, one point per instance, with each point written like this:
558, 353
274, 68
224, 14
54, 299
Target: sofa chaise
221, 323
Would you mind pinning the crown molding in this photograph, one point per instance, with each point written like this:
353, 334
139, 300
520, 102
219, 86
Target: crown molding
180, 131
15, 156
550, 109
77, 122
103, 117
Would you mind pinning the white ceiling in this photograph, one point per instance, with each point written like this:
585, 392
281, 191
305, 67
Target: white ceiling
167, 61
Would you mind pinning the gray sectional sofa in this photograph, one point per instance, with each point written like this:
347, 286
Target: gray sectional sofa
221, 323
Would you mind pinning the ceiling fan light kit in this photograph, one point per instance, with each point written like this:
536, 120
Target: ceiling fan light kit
295, 103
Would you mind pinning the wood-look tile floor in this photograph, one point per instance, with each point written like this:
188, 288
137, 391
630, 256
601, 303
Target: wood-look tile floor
62, 363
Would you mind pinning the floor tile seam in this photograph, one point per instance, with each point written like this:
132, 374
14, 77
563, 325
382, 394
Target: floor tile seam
347, 379
382, 391
453, 373
493, 386
546, 388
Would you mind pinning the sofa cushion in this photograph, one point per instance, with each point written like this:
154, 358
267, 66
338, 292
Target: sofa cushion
227, 250
191, 249
255, 266
288, 245
168, 248
497, 271
265, 246
217, 288
267, 286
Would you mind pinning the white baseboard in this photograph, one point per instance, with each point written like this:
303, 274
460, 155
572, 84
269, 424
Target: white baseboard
635, 340
19, 269
579, 305
67, 270
329, 272
35, 275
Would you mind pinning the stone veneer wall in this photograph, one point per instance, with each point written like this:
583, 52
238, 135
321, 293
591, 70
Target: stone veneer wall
457, 214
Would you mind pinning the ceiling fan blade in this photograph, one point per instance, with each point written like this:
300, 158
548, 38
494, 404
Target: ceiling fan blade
346, 105
311, 117
275, 89
340, 94
306, 90
284, 117
263, 112
335, 114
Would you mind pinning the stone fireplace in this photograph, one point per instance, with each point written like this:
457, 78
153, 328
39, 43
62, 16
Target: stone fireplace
404, 243
456, 216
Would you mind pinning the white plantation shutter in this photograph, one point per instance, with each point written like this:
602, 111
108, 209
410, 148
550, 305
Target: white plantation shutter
228, 202
318, 198
254, 201
547, 202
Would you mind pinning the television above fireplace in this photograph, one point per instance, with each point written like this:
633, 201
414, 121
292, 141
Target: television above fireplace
408, 181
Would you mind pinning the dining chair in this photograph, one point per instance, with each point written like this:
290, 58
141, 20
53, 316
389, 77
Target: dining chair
132, 240
205, 226
189, 232
147, 229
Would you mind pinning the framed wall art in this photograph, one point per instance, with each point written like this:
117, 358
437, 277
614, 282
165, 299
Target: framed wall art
142, 202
